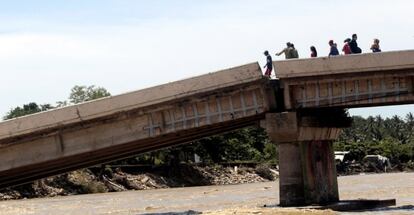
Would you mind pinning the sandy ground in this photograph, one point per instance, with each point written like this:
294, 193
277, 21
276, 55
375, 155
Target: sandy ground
230, 199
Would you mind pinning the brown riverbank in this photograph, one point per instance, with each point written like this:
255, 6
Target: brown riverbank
101, 180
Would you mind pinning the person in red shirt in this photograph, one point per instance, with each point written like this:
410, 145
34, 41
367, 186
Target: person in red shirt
314, 53
347, 49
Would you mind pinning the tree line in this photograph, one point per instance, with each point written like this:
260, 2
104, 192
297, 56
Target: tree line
390, 137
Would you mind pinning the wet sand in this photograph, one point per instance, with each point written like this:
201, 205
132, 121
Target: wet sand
230, 199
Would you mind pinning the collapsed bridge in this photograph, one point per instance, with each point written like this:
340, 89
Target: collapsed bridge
302, 111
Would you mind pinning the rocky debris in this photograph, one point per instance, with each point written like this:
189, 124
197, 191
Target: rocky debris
222, 176
108, 180
266, 172
144, 181
76, 182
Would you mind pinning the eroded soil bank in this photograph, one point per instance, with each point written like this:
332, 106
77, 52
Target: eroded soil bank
101, 180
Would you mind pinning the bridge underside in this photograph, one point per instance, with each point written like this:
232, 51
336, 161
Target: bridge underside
38, 170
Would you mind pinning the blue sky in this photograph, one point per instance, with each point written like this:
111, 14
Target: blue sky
47, 47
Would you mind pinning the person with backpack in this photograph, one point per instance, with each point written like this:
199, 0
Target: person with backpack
354, 45
346, 49
334, 50
269, 64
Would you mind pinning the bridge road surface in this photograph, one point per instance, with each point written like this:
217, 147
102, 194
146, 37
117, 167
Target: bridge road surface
214, 198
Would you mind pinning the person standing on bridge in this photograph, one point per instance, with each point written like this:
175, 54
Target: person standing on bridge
346, 49
334, 50
290, 51
314, 53
354, 45
287, 51
295, 53
376, 47
269, 64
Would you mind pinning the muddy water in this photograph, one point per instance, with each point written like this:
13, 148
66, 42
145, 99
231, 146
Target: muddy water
243, 197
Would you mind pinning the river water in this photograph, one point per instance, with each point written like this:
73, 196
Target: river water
215, 198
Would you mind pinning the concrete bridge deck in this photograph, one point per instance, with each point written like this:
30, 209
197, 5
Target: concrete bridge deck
116, 127
107, 129
365, 80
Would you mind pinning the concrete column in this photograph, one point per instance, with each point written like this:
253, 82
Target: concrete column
306, 158
319, 172
291, 190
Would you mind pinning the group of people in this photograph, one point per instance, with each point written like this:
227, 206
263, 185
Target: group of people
350, 47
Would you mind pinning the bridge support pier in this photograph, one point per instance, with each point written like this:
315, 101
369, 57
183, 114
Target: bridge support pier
306, 159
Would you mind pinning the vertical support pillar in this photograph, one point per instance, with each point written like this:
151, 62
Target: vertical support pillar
290, 175
307, 171
320, 181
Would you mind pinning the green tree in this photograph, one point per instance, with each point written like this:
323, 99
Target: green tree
392, 137
78, 94
26, 109
87, 93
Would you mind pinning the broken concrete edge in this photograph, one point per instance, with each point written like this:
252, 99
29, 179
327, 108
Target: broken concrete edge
129, 101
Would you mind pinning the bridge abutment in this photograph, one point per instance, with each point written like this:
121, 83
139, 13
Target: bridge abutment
306, 156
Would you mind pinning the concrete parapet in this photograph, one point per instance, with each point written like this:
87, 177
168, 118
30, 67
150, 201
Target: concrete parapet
395, 60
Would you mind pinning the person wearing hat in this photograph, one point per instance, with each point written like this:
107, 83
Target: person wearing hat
333, 51
269, 64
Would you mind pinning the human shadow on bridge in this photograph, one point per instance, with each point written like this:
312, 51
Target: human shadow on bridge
190, 212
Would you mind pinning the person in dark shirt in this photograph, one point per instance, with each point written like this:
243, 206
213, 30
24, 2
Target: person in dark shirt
314, 53
354, 45
269, 64
334, 50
